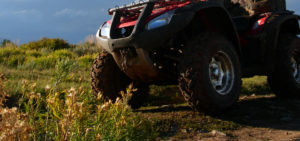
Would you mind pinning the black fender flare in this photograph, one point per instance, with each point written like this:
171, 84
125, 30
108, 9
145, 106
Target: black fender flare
276, 25
214, 17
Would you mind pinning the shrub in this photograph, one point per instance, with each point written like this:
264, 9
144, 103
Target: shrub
72, 114
63, 69
53, 44
12, 56
86, 48
86, 60
46, 62
45, 51
7, 43
4, 42
43, 62
33, 53
10, 51
63, 54
78, 119
15, 60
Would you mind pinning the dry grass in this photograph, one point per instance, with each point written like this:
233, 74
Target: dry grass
14, 124
70, 114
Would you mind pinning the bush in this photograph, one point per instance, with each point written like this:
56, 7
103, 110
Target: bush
63, 69
86, 48
45, 51
10, 51
63, 54
16, 60
72, 115
44, 62
12, 56
33, 53
52, 44
86, 60
4, 42
7, 43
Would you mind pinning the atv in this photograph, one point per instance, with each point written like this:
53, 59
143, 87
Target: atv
199, 45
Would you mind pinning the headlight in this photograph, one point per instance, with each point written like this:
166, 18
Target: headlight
104, 30
299, 27
161, 20
299, 23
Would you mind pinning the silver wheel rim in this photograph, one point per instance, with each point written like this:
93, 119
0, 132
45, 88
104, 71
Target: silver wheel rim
295, 64
221, 73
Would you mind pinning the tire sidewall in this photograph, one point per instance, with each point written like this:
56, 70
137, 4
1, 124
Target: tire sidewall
195, 83
217, 98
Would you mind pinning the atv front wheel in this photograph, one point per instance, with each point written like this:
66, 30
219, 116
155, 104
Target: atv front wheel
109, 80
210, 75
285, 78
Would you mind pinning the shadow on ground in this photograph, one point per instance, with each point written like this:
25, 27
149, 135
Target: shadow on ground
255, 111
266, 111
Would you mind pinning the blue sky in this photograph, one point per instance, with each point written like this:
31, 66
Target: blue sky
72, 20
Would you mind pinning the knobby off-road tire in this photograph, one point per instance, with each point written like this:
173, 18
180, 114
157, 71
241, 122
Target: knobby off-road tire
285, 78
109, 80
210, 75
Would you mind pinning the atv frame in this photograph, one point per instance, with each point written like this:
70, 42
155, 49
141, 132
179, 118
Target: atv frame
157, 56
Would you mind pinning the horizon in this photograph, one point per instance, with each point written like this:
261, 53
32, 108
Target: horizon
71, 20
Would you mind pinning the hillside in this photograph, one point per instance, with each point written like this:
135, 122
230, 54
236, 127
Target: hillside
45, 94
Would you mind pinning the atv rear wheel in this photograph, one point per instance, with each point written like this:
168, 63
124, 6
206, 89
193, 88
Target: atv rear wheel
109, 80
285, 78
210, 75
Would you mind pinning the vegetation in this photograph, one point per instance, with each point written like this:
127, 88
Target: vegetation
45, 94
49, 85
52, 44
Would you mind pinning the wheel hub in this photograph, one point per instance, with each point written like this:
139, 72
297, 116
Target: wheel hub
221, 73
295, 64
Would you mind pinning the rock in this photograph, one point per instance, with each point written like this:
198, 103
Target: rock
217, 133
184, 130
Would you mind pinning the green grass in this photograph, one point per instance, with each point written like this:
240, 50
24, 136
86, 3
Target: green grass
44, 64
15, 77
255, 85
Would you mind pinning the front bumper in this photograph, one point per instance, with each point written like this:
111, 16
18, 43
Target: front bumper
132, 53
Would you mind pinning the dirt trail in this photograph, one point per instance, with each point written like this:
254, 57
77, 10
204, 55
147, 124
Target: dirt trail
253, 118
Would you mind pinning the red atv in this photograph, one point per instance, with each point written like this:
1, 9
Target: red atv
199, 46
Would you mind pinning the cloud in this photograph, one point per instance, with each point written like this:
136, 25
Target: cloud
20, 13
26, 12
70, 12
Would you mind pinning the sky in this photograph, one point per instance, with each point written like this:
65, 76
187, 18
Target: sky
72, 20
